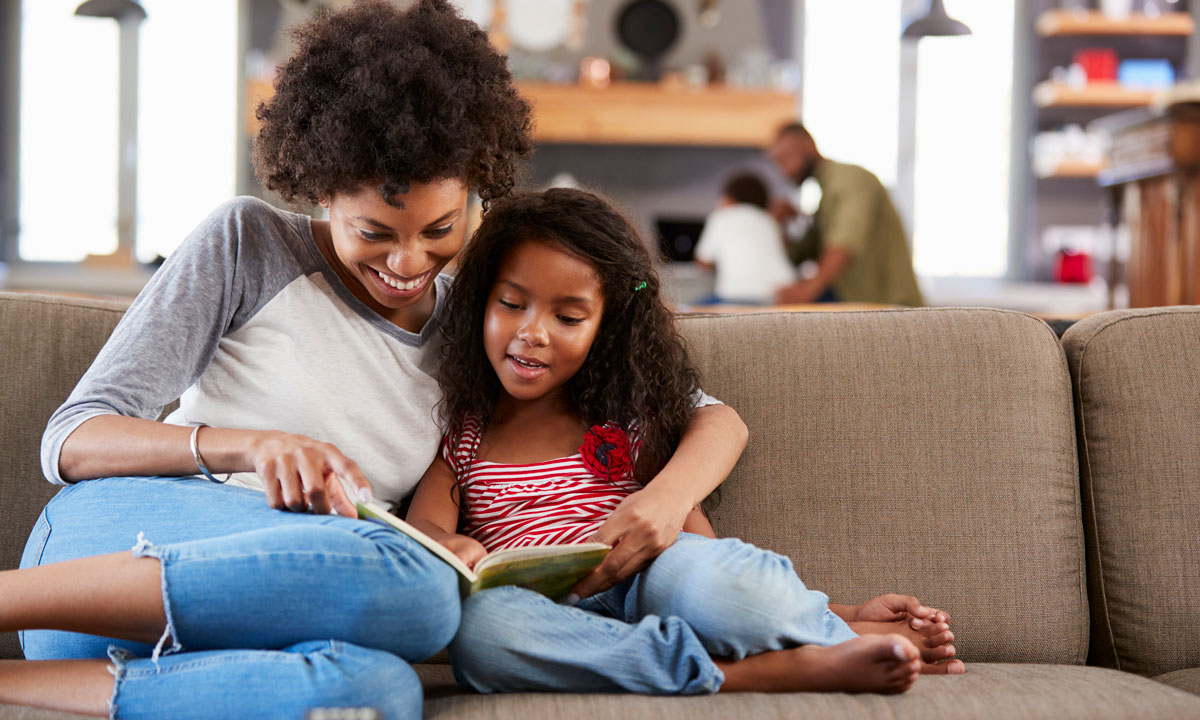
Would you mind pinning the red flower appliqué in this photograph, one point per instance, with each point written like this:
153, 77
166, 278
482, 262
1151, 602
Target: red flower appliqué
605, 452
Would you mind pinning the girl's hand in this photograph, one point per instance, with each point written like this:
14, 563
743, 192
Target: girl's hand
299, 473
643, 525
469, 550
891, 607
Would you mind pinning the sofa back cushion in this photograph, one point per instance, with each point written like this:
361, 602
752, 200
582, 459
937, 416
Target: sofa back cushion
929, 452
1137, 392
46, 344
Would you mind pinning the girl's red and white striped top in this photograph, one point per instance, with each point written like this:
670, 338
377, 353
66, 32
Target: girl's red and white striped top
560, 501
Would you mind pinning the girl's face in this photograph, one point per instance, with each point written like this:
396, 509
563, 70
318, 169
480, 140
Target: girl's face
388, 256
542, 315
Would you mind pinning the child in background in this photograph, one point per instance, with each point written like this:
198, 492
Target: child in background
566, 388
743, 242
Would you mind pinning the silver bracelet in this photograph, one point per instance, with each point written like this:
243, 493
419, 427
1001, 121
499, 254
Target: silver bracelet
200, 461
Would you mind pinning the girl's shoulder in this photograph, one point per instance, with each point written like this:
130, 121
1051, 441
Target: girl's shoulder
461, 441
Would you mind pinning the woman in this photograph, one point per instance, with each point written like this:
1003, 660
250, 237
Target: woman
303, 353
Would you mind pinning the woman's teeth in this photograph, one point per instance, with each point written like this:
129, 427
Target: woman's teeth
410, 285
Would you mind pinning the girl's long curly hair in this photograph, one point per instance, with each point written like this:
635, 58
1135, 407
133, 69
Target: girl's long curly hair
637, 372
378, 94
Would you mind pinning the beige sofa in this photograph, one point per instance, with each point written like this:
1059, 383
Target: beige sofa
1046, 494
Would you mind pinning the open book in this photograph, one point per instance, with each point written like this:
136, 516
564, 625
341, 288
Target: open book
551, 570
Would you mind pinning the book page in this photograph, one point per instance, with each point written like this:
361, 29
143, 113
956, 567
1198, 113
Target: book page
550, 570
377, 512
536, 551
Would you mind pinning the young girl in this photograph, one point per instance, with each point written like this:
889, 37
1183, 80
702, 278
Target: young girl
566, 386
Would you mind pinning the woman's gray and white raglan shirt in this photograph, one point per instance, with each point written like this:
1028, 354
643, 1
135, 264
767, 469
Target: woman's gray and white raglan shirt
251, 328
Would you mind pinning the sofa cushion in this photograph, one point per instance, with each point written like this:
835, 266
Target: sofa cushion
46, 344
925, 451
1187, 680
1031, 692
1138, 399
986, 691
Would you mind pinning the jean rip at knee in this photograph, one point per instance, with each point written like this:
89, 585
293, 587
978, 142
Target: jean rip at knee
145, 548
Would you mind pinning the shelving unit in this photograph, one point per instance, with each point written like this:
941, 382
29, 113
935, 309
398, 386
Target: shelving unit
1071, 169
1061, 23
635, 114
649, 114
1069, 194
1050, 94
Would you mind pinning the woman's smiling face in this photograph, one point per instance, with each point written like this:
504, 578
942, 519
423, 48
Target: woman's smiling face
388, 255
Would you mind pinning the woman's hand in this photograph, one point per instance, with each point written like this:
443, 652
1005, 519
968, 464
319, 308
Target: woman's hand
469, 550
299, 473
643, 525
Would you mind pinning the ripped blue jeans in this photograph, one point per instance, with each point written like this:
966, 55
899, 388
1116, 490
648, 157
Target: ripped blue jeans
268, 613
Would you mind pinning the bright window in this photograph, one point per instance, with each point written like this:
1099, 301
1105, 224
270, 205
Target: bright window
851, 100
188, 121
68, 133
961, 172
852, 107
187, 126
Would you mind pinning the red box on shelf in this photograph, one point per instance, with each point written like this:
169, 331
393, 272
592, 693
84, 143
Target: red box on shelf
1099, 64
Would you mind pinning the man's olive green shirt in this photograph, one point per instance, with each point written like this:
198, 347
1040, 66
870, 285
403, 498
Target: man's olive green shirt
856, 214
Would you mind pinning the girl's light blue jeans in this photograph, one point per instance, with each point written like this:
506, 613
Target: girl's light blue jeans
656, 633
269, 613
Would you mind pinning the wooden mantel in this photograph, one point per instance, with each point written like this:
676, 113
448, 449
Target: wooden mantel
648, 114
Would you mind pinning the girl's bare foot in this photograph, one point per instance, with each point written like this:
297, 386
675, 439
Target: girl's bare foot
871, 663
932, 640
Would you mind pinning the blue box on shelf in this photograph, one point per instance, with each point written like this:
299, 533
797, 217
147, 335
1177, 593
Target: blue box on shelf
1146, 74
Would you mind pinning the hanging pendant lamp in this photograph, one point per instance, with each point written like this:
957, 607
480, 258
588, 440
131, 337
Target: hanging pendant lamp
935, 22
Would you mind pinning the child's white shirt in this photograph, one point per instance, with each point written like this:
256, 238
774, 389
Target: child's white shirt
745, 244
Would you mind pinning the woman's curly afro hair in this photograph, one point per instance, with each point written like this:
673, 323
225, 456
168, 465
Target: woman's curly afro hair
378, 94
637, 371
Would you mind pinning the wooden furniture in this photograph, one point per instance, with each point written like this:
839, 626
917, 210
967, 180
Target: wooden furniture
1097, 94
1049, 37
635, 114
1154, 181
650, 114
1061, 23
1073, 169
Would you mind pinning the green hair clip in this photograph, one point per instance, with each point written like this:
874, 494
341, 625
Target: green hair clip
639, 286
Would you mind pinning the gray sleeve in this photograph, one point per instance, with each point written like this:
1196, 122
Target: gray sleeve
170, 332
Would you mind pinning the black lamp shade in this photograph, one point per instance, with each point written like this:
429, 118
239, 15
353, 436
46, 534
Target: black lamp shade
935, 22
115, 9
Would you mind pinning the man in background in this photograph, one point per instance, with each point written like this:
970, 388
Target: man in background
744, 244
856, 237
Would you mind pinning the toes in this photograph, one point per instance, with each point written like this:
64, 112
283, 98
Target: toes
950, 667
931, 629
902, 680
944, 638
903, 648
941, 652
